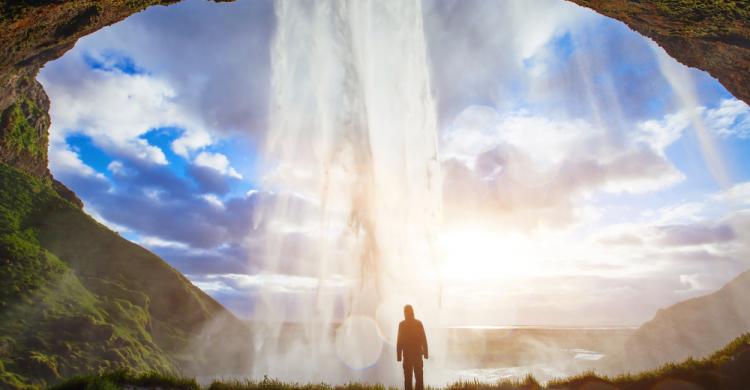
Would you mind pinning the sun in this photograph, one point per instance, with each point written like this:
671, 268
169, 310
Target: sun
473, 254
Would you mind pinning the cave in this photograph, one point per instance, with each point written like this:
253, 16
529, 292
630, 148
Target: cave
40, 36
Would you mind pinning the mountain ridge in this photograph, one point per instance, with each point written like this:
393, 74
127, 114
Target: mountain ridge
692, 328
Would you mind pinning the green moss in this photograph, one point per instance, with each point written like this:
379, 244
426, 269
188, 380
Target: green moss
52, 323
706, 18
82, 298
20, 135
699, 10
24, 264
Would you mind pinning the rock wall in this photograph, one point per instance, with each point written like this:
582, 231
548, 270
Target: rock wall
33, 32
712, 35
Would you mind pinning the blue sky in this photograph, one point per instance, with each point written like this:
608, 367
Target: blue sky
159, 122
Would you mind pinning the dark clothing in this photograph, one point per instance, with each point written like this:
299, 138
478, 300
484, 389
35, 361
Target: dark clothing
412, 345
417, 370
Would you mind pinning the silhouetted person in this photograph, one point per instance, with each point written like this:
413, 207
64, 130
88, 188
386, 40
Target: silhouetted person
412, 345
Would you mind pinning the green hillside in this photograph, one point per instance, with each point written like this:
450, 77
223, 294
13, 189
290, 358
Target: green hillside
78, 298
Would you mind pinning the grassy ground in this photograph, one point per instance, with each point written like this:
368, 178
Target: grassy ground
728, 368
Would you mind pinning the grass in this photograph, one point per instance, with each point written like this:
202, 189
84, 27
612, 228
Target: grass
725, 369
275, 384
118, 379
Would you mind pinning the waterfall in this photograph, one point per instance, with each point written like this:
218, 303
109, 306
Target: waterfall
353, 166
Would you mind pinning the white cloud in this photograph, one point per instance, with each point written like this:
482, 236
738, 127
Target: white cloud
271, 283
481, 49
150, 241
213, 200
65, 161
661, 133
739, 194
730, 119
189, 142
480, 128
678, 213
115, 167
692, 283
218, 162
530, 169
116, 109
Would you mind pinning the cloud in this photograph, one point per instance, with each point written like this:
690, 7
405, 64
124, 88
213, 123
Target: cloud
196, 229
292, 294
217, 162
478, 49
690, 235
530, 170
730, 119
738, 194
67, 161
692, 283
113, 108
234, 258
116, 167
699, 229
215, 57
277, 283
209, 180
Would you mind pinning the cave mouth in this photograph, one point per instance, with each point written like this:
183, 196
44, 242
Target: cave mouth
576, 157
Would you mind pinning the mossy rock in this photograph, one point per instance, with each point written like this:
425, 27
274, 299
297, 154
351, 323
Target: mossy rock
39, 365
20, 131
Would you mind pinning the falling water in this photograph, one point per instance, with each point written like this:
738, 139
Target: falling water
352, 152
683, 85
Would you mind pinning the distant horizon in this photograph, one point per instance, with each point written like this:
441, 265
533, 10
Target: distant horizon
484, 326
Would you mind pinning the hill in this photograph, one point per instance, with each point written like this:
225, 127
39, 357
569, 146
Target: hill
692, 328
78, 298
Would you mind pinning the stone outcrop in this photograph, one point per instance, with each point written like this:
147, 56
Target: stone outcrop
33, 32
712, 35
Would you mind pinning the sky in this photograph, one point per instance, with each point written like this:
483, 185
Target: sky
588, 178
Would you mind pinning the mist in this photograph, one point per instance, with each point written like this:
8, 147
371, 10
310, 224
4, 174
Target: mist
358, 140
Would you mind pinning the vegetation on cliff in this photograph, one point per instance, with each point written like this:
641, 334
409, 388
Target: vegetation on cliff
711, 35
78, 298
20, 134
